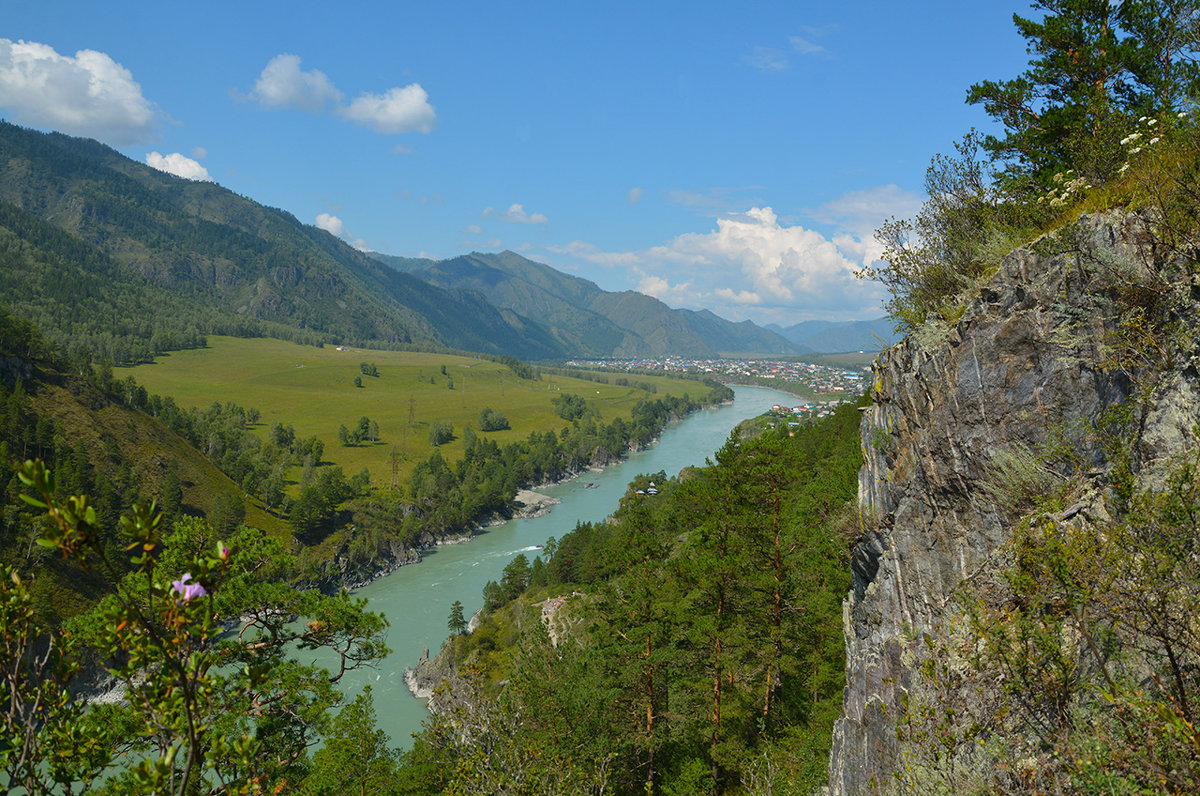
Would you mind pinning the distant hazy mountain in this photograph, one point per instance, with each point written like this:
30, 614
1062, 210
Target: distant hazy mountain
589, 321
738, 338
830, 337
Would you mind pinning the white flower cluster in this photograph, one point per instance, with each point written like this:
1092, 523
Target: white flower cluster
1065, 187
1133, 140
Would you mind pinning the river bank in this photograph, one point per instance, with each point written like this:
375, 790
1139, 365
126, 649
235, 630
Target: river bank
417, 600
351, 571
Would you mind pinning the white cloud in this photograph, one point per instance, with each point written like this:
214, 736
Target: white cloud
777, 261
89, 94
398, 110
740, 297
282, 84
179, 165
588, 252
768, 59
774, 59
634, 196
654, 286
331, 224
863, 211
515, 214
199, 152
805, 47
751, 266
473, 229
334, 226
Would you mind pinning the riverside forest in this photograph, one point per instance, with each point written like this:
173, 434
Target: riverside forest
981, 576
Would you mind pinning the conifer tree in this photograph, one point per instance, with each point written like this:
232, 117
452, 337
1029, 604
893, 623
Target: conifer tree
1060, 111
1096, 66
457, 623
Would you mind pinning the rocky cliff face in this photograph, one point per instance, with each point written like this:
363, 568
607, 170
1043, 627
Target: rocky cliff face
1028, 363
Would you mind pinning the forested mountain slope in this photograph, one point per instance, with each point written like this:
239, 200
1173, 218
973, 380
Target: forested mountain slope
100, 446
176, 259
589, 321
186, 258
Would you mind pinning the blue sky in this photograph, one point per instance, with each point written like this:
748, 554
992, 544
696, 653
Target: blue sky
728, 156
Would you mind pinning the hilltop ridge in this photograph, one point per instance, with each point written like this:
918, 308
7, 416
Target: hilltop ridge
589, 321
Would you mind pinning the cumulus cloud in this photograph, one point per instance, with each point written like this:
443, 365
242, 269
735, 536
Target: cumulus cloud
331, 224
179, 165
777, 262
283, 84
88, 94
634, 196
334, 226
398, 110
515, 214
751, 266
401, 109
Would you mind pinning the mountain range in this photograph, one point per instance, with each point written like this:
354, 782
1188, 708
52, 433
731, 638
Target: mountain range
832, 337
105, 252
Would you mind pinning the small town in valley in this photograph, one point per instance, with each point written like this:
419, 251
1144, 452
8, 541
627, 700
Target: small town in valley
826, 382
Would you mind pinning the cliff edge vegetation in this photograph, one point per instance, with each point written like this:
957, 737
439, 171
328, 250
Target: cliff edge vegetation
1022, 616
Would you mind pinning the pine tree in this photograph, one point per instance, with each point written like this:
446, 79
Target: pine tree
356, 757
1059, 112
457, 623
1096, 66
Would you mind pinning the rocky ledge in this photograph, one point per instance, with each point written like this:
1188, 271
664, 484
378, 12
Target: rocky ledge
533, 504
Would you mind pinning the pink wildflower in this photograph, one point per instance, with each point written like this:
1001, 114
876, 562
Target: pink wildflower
188, 591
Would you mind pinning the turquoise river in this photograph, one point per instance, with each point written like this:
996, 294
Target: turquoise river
416, 599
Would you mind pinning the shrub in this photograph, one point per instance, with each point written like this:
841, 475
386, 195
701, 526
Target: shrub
962, 230
492, 420
440, 432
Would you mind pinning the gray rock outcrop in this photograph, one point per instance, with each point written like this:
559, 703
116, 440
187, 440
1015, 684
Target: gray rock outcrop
1029, 365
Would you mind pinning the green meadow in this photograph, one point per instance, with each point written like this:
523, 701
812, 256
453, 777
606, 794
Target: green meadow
313, 390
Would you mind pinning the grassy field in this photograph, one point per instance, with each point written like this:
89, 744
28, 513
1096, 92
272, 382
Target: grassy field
313, 390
